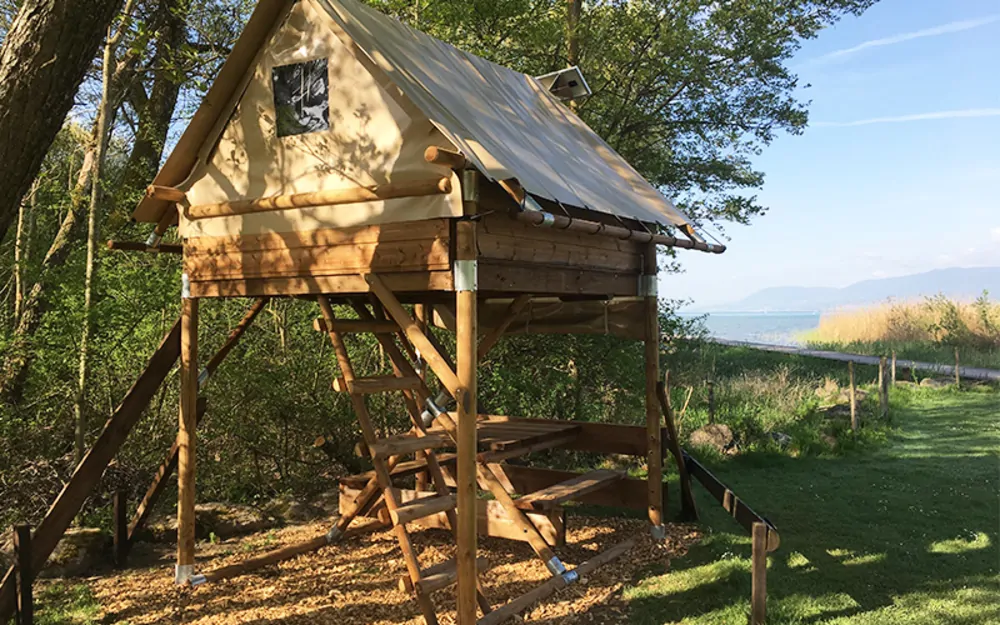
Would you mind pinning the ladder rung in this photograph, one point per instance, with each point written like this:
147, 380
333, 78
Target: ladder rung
377, 384
409, 443
441, 575
423, 507
572, 488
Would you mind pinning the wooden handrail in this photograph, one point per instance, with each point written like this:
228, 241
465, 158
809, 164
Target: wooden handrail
332, 197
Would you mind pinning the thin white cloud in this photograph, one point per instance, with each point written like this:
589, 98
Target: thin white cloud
995, 234
916, 117
944, 29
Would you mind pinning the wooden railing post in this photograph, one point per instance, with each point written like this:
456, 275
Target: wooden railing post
758, 569
121, 539
853, 397
883, 389
25, 575
958, 374
892, 368
711, 401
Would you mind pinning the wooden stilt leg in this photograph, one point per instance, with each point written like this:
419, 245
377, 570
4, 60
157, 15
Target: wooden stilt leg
466, 362
758, 566
654, 449
186, 440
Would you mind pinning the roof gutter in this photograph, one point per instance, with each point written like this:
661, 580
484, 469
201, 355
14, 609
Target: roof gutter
548, 220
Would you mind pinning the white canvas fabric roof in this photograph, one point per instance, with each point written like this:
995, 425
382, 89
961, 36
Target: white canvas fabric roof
505, 122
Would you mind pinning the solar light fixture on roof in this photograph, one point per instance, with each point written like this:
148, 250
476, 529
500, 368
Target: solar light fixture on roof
566, 84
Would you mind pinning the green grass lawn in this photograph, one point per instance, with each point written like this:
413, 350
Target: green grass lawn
906, 534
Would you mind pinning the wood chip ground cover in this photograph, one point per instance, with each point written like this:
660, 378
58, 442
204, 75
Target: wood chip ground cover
355, 582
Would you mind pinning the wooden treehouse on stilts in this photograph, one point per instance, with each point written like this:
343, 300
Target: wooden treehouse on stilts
343, 157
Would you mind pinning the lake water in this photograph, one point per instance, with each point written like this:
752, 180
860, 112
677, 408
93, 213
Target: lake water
775, 328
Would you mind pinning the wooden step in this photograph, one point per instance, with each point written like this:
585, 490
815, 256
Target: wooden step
441, 575
570, 489
377, 384
409, 443
423, 507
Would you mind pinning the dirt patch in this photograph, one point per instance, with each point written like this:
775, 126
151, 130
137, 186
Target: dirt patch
355, 581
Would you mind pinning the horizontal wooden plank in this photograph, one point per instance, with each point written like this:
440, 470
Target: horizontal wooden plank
540, 279
416, 281
377, 233
629, 493
403, 469
607, 438
329, 260
501, 225
570, 489
517, 249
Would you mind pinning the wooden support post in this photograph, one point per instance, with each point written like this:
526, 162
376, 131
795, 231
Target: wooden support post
883, 388
466, 362
853, 396
25, 575
121, 539
654, 444
186, 440
758, 567
892, 368
958, 372
711, 401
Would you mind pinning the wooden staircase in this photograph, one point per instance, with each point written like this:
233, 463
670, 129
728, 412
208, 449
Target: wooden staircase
497, 441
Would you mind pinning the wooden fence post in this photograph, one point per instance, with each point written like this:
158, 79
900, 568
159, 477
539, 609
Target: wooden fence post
853, 397
711, 401
121, 540
883, 388
25, 576
892, 368
758, 569
958, 376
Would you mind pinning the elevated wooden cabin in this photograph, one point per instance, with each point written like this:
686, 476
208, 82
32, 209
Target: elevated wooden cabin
344, 156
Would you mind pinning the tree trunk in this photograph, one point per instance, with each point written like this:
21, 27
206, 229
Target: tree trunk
43, 60
155, 110
104, 112
574, 8
22, 241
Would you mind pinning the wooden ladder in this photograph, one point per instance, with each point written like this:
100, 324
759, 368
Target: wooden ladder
445, 372
386, 454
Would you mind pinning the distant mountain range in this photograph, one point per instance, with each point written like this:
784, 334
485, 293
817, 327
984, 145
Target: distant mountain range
956, 283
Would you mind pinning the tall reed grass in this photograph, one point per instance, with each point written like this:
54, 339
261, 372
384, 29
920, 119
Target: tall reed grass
936, 320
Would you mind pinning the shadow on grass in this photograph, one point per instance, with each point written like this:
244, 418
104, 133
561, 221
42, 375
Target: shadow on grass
906, 534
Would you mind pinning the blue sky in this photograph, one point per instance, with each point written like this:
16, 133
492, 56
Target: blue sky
899, 171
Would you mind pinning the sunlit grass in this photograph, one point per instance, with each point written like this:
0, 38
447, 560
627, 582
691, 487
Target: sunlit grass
906, 533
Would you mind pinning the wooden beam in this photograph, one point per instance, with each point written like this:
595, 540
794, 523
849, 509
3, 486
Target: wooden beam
758, 569
730, 502
689, 510
167, 194
330, 197
137, 246
87, 474
233, 338
486, 344
558, 582
187, 424
466, 336
120, 520
437, 362
445, 157
654, 443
